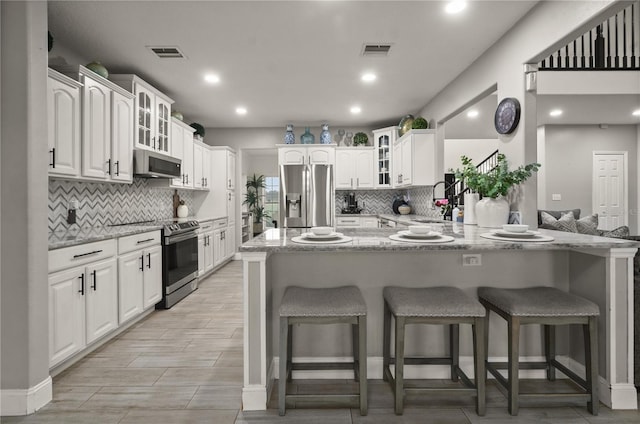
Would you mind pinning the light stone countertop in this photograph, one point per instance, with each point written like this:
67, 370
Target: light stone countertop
466, 237
74, 237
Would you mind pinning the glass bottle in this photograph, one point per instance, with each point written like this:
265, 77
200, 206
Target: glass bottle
307, 137
289, 137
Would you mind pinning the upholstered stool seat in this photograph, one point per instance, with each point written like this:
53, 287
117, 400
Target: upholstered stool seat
433, 305
549, 307
338, 305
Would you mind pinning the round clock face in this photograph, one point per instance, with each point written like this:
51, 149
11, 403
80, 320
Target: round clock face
507, 115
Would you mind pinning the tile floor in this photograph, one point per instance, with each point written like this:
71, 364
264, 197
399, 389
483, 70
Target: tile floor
184, 366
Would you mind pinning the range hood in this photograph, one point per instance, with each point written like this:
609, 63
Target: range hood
149, 164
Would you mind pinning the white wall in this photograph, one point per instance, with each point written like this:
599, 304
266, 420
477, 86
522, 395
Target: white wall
476, 149
568, 163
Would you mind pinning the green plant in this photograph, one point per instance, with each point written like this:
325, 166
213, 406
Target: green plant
420, 124
496, 182
360, 138
199, 129
253, 199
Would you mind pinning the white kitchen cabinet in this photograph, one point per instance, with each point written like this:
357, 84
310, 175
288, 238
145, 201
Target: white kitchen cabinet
153, 113
122, 138
182, 148
231, 170
152, 289
102, 299
223, 182
354, 168
219, 246
187, 163
230, 241
369, 222
306, 155
357, 222
201, 166
63, 120
205, 249
96, 134
383, 140
414, 159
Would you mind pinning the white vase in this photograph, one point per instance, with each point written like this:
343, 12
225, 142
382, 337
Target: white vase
183, 211
470, 201
492, 213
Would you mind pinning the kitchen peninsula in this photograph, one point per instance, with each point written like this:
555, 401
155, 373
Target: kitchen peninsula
597, 268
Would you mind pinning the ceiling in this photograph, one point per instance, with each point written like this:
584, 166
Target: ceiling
296, 62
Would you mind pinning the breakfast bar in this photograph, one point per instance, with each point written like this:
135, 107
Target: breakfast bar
599, 269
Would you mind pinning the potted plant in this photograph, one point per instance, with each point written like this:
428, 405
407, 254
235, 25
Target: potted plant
493, 186
253, 200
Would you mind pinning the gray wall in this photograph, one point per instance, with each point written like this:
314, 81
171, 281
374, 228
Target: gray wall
568, 164
24, 164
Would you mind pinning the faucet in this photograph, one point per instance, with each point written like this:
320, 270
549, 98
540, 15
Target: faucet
450, 198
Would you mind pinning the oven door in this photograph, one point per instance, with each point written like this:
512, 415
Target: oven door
179, 260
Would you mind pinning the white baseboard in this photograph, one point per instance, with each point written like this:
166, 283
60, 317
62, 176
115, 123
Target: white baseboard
27, 401
254, 398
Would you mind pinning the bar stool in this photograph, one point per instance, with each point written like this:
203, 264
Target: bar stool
549, 307
433, 305
339, 305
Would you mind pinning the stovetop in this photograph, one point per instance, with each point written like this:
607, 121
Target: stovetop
169, 226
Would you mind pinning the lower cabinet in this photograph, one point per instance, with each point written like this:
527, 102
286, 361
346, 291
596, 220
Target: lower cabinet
140, 282
230, 241
357, 221
205, 250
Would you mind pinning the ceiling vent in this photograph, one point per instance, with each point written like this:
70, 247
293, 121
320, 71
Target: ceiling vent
166, 52
376, 49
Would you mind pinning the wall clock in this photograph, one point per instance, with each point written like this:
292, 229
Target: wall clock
507, 115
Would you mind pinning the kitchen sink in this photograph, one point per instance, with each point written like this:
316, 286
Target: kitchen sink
427, 220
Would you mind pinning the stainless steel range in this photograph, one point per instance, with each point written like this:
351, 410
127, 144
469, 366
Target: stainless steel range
179, 261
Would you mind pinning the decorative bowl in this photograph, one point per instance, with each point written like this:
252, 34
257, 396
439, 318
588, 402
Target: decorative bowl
515, 228
321, 231
405, 124
404, 209
98, 68
419, 229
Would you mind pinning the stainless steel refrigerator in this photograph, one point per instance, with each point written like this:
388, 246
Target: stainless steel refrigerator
306, 196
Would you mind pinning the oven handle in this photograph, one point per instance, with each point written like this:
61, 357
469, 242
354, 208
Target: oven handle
179, 237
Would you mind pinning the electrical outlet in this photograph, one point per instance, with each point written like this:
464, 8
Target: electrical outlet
71, 216
472, 260
556, 196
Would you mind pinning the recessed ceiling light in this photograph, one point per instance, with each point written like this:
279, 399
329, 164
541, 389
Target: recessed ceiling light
472, 113
355, 109
555, 112
212, 78
368, 77
636, 112
241, 110
455, 6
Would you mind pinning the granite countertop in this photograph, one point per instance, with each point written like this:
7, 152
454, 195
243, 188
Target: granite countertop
466, 237
74, 237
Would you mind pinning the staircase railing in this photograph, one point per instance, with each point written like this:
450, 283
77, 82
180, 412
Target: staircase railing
611, 45
457, 188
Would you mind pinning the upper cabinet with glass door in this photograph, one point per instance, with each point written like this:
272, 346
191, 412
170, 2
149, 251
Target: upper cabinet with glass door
153, 113
384, 139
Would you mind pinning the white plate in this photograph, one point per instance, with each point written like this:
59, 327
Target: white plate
311, 236
512, 234
438, 239
429, 235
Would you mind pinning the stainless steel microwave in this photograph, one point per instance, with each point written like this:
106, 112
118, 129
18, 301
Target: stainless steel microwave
149, 164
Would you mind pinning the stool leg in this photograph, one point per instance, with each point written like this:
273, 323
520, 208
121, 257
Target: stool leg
289, 353
282, 381
354, 339
386, 341
550, 350
514, 357
399, 378
454, 350
591, 363
362, 361
479, 356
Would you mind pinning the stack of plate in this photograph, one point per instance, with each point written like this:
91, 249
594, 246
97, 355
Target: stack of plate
321, 237
516, 234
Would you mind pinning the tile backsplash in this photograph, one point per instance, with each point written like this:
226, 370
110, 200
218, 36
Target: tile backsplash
380, 201
102, 204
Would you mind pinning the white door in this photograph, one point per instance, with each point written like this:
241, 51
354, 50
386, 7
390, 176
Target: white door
163, 123
610, 189
344, 169
102, 299
396, 169
129, 285
187, 159
152, 276
230, 241
122, 138
363, 162
177, 150
96, 118
208, 251
145, 106
63, 103
198, 176
407, 161
231, 170
66, 314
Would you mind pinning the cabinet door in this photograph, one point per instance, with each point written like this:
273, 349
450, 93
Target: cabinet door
369, 222
66, 314
198, 177
202, 245
96, 140
177, 150
292, 156
397, 165
130, 295
321, 155
231, 206
209, 251
218, 247
363, 167
187, 160
383, 142
102, 299
231, 170
122, 138
407, 161
145, 107
63, 109
344, 169
348, 222
206, 167
163, 124
230, 241
152, 290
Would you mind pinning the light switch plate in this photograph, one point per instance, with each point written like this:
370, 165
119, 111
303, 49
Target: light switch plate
556, 196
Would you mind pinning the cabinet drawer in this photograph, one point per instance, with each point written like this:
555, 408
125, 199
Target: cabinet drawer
220, 223
68, 257
348, 222
205, 226
138, 241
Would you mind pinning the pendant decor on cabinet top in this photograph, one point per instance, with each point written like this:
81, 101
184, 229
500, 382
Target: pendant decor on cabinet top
325, 135
289, 137
307, 137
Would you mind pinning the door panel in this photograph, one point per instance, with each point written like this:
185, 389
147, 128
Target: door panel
609, 190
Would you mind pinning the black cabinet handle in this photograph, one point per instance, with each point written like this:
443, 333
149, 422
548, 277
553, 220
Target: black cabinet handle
144, 241
142, 263
95, 280
117, 167
149, 259
187, 178
53, 157
87, 254
81, 291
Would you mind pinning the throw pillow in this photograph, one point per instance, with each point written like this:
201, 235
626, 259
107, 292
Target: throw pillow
619, 232
558, 214
567, 222
588, 225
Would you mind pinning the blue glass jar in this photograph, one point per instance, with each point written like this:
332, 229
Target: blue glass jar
325, 135
289, 137
307, 137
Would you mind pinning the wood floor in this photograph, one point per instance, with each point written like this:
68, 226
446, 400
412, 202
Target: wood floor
184, 366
